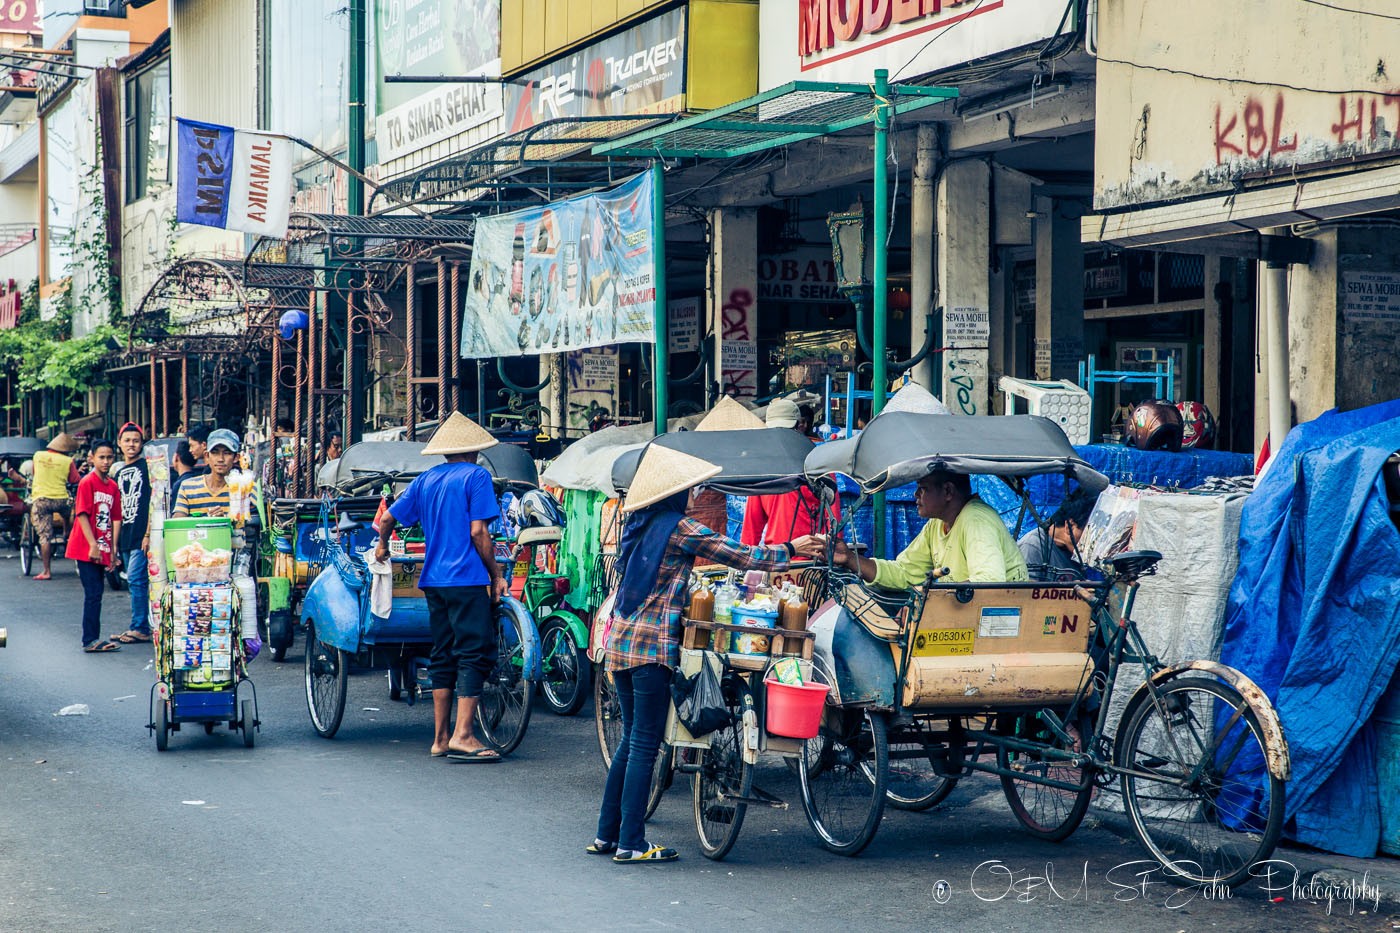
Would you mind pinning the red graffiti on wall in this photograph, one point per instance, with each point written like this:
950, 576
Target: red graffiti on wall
736, 326
1259, 129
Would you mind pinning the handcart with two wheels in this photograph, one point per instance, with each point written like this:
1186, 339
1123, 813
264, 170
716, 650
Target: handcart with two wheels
342, 631
1013, 679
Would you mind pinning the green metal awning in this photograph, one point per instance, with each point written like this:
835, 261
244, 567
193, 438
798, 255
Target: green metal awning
791, 113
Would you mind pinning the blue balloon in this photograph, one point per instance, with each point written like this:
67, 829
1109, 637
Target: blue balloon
292, 321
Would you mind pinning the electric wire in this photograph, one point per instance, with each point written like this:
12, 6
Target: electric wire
1229, 80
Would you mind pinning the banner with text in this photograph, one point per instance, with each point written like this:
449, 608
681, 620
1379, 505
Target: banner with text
235, 179
429, 38
574, 274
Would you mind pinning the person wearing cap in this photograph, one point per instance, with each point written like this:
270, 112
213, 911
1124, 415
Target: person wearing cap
207, 496
54, 472
455, 503
963, 534
659, 546
789, 515
1051, 553
134, 485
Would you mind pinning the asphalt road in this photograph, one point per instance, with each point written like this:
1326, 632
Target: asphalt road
99, 831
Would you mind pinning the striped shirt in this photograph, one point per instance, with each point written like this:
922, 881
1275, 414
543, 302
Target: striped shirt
196, 500
653, 634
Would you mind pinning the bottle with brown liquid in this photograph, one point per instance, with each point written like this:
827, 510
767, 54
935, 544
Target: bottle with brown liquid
794, 615
702, 605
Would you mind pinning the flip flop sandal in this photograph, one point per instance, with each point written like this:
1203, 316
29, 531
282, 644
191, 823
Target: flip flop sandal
44, 576
652, 854
606, 848
130, 637
480, 756
101, 647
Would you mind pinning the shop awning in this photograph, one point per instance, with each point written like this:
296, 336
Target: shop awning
1248, 212
788, 114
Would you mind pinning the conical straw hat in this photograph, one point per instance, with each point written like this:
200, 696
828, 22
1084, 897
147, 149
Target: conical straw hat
459, 435
729, 415
64, 443
663, 472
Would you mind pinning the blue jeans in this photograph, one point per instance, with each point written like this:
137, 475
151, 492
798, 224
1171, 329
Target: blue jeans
645, 696
94, 577
138, 583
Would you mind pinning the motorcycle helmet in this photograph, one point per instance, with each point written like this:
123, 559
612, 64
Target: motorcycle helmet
1156, 425
535, 509
1198, 425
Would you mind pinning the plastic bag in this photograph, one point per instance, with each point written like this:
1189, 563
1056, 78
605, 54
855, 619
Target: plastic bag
699, 701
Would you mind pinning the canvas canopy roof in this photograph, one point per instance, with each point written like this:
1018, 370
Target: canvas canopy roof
898, 448
758, 461
405, 460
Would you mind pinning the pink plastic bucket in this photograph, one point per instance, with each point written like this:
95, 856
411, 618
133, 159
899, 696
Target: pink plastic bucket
795, 710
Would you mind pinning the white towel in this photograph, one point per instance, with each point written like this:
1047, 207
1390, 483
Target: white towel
381, 587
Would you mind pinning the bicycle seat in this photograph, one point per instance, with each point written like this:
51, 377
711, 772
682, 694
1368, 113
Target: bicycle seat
1135, 563
348, 525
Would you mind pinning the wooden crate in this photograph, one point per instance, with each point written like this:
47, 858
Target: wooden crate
699, 636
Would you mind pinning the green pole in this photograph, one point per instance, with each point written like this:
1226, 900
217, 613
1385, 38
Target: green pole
661, 354
355, 192
880, 378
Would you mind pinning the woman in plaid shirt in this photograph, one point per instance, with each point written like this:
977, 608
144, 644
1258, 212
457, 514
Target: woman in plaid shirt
658, 548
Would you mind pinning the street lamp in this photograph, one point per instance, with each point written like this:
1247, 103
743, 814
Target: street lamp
847, 231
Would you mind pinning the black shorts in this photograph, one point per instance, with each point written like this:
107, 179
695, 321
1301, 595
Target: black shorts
464, 637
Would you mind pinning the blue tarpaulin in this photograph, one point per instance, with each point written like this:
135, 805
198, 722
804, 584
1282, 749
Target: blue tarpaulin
1314, 616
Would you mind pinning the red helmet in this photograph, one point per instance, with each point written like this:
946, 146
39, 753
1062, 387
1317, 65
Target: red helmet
1198, 425
1155, 425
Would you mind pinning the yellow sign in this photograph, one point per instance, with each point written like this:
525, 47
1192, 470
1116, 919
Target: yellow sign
936, 643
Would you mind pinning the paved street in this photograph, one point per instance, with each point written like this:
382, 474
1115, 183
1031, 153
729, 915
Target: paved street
100, 832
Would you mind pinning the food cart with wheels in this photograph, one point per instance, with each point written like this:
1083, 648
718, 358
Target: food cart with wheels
200, 655
341, 628
761, 658
935, 683
13, 507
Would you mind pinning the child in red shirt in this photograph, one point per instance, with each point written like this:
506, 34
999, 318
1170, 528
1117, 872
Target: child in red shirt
97, 519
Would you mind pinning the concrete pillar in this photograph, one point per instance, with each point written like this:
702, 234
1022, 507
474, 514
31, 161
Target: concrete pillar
998, 324
1210, 338
733, 299
921, 272
964, 250
1059, 290
1344, 320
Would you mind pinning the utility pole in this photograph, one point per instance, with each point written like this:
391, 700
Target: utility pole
356, 337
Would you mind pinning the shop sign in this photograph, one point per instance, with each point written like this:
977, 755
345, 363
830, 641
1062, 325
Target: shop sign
966, 327
846, 40
683, 325
1103, 275
593, 384
1371, 296
802, 275
21, 16
641, 70
569, 275
435, 37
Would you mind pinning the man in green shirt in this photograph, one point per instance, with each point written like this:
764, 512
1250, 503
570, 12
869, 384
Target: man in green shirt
963, 534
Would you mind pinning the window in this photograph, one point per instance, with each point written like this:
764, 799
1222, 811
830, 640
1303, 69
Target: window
147, 130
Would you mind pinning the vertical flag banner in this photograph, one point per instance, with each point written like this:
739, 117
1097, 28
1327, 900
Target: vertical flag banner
235, 179
574, 274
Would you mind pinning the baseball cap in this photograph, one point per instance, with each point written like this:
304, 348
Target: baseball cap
782, 413
224, 438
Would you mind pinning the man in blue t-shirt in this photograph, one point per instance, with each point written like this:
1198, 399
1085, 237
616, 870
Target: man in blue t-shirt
455, 505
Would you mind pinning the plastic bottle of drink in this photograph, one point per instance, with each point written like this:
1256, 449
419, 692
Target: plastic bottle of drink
725, 598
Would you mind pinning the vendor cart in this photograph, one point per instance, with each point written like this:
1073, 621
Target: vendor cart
742, 657
1014, 679
341, 628
200, 655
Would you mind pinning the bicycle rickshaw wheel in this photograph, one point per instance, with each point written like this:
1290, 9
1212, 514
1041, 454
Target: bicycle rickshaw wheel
162, 725
845, 798
503, 712
662, 774
913, 782
566, 669
1047, 812
326, 671
1214, 811
607, 715
722, 776
27, 546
